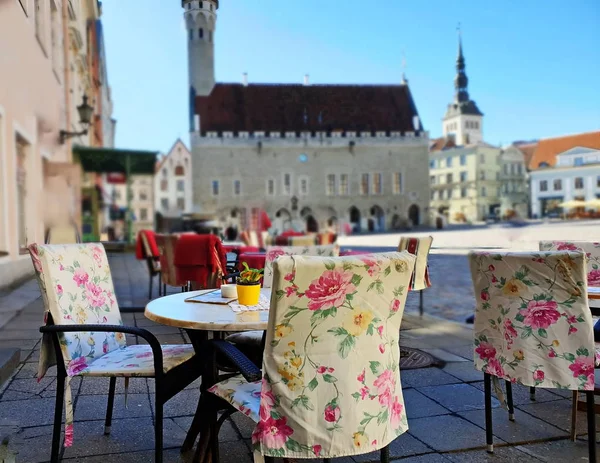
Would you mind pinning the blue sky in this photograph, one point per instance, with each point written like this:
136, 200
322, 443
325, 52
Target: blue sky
533, 66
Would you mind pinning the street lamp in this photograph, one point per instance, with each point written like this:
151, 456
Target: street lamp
85, 116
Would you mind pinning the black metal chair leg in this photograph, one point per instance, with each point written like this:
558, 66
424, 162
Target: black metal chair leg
160, 284
110, 406
489, 436
421, 303
269, 459
384, 454
58, 411
164, 289
591, 422
158, 426
150, 289
532, 393
509, 401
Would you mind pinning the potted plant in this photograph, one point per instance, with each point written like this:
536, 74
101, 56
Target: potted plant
248, 285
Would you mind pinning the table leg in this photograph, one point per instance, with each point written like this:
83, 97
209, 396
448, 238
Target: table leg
204, 418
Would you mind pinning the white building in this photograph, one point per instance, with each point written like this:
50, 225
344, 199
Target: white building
173, 182
575, 176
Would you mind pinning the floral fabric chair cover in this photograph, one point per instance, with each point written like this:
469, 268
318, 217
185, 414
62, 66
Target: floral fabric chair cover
331, 379
591, 250
532, 322
273, 252
419, 247
77, 288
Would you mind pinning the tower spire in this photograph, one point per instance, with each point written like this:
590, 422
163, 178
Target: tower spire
460, 81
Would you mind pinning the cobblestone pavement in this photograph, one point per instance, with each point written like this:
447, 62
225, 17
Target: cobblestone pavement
444, 404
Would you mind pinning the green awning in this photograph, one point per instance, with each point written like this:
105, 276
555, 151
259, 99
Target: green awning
110, 160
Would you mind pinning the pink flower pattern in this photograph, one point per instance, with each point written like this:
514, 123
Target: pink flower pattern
273, 433
329, 290
80, 277
540, 314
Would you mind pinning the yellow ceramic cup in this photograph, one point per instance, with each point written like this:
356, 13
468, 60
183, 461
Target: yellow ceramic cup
248, 294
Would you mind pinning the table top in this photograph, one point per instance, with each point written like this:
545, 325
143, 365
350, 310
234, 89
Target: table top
174, 311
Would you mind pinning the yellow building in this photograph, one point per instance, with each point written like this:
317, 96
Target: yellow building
465, 182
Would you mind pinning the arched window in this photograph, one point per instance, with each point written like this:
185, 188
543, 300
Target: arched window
200, 33
191, 34
179, 170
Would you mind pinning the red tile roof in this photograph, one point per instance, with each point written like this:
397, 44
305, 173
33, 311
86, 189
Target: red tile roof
442, 143
274, 107
547, 149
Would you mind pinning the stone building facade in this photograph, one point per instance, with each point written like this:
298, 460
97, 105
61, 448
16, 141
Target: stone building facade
46, 67
173, 182
309, 155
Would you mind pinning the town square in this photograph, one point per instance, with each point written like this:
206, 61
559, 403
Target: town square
236, 231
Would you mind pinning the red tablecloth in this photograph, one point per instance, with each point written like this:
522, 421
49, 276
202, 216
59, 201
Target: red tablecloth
253, 259
198, 258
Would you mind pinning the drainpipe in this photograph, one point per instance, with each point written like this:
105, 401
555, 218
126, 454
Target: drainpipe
128, 180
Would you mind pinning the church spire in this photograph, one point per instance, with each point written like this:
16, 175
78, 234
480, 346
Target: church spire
460, 81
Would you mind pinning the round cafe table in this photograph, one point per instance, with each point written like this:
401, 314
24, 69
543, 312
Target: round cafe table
199, 320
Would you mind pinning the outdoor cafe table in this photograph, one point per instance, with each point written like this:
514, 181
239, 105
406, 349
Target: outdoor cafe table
199, 320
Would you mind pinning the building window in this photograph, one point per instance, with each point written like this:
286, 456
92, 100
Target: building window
330, 185
448, 161
483, 191
449, 194
303, 186
377, 184
482, 175
164, 173
578, 162
164, 204
579, 183
181, 204
505, 169
116, 194
179, 170
543, 185
164, 185
364, 184
215, 188
442, 194
432, 180
482, 158
200, 33
448, 178
270, 187
463, 192
143, 213
598, 181
237, 187
344, 185
143, 195
22, 157
463, 160
463, 176
397, 184
433, 195
181, 185
557, 184
287, 184
520, 169
191, 34
432, 164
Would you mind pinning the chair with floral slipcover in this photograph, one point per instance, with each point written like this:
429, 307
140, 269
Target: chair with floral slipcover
251, 341
419, 247
84, 336
533, 326
592, 252
330, 382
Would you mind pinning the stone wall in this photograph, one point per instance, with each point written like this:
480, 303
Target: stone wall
254, 161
